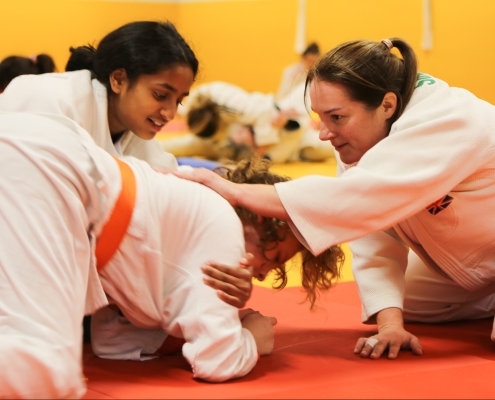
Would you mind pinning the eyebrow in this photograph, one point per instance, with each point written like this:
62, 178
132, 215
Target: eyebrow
171, 88
167, 86
331, 110
328, 111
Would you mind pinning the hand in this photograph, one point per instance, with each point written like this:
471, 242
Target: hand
283, 116
393, 339
279, 120
233, 284
223, 187
245, 312
243, 135
391, 335
162, 170
262, 330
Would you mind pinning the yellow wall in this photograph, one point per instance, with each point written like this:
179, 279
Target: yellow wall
52, 26
248, 42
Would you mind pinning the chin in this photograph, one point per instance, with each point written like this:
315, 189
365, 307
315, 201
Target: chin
348, 160
146, 135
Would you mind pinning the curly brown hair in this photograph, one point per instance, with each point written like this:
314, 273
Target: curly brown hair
318, 272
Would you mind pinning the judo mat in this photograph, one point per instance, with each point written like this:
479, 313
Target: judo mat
313, 358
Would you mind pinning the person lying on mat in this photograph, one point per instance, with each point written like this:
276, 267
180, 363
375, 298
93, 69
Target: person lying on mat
226, 122
269, 240
414, 192
122, 92
58, 194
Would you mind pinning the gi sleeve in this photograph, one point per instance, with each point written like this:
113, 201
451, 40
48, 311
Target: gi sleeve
114, 337
379, 261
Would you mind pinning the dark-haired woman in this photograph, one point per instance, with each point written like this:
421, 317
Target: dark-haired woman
122, 93
13, 66
417, 168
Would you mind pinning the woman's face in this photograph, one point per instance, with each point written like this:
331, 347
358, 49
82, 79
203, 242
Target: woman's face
146, 106
352, 128
263, 263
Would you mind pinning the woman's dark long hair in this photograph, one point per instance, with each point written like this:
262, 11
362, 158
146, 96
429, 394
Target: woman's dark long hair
143, 47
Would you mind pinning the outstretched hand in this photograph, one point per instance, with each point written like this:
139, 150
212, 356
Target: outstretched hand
222, 186
233, 284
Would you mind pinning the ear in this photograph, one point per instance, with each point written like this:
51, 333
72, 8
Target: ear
389, 105
118, 79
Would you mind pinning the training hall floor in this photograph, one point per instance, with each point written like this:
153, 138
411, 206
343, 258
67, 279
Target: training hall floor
313, 355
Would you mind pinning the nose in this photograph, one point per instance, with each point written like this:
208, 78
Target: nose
325, 133
265, 269
169, 112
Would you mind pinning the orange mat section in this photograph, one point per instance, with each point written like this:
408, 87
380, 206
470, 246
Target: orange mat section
313, 358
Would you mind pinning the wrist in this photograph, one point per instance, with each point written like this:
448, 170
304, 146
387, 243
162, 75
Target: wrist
389, 317
238, 194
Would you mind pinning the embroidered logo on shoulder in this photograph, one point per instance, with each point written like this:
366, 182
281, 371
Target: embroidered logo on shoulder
424, 79
440, 205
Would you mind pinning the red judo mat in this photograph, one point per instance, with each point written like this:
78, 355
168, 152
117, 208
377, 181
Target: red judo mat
313, 358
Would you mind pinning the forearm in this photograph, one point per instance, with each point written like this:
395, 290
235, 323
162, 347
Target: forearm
262, 200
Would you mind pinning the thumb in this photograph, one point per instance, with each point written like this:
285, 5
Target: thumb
416, 346
246, 261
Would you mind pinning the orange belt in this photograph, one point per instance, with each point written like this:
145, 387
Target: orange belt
115, 228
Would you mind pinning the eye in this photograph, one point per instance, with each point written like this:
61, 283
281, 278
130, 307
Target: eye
160, 96
336, 117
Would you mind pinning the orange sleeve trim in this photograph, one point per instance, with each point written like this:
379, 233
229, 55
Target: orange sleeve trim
115, 228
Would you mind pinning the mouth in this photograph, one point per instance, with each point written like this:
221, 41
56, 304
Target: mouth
156, 124
338, 147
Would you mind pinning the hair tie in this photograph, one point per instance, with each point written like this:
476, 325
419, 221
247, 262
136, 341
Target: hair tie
388, 43
34, 59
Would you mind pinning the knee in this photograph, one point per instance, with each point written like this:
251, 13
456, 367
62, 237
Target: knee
30, 368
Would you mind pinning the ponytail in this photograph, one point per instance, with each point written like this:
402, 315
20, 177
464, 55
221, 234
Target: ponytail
45, 64
82, 57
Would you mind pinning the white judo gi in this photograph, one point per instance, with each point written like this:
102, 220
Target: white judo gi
54, 196
79, 97
253, 109
428, 186
57, 188
292, 76
156, 281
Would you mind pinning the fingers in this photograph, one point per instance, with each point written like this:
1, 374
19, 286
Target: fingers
245, 312
195, 174
232, 300
360, 345
226, 273
163, 170
393, 351
233, 285
246, 260
416, 346
272, 320
369, 347
373, 348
